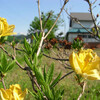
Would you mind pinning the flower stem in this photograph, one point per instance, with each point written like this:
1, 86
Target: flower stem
83, 89
3, 83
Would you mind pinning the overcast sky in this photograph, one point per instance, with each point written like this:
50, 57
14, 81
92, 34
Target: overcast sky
22, 12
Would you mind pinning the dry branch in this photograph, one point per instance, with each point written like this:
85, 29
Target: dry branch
83, 89
63, 77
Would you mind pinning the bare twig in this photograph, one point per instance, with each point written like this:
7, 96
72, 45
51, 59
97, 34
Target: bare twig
93, 18
14, 51
94, 2
40, 15
59, 59
55, 58
42, 31
40, 45
56, 19
47, 20
2, 80
19, 49
32, 78
98, 23
83, 89
3, 83
63, 77
13, 57
76, 20
64, 64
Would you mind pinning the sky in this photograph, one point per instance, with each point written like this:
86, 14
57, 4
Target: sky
22, 12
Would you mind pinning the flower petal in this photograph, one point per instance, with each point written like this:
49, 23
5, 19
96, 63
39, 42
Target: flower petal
23, 94
6, 29
13, 93
86, 63
92, 75
74, 63
3, 94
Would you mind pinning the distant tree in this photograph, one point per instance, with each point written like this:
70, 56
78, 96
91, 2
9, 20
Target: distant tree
17, 38
47, 20
11, 38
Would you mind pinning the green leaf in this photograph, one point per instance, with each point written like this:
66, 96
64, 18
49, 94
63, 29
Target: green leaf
40, 95
1, 67
58, 94
34, 50
62, 92
3, 39
10, 65
34, 38
56, 80
33, 94
35, 60
37, 35
44, 73
50, 74
4, 61
99, 36
28, 62
5, 66
27, 47
39, 76
48, 93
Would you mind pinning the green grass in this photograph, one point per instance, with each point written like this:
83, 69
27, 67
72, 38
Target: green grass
72, 89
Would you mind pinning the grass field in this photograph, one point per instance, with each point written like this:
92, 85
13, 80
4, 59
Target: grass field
72, 89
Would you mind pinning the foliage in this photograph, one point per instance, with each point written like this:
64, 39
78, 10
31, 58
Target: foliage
77, 43
47, 85
48, 20
95, 32
44, 79
5, 65
3, 39
30, 52
11, 38
17, 39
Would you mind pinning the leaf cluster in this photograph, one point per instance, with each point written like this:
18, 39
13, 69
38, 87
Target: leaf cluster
77, 44
48, 20
45, 79
30, 50
5, 64
47, 83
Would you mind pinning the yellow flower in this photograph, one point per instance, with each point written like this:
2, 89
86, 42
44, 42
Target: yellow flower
6, 29
86, 63
13, 93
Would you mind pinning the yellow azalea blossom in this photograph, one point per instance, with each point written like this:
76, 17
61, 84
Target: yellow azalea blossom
13, 93
6, 29
86, 63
